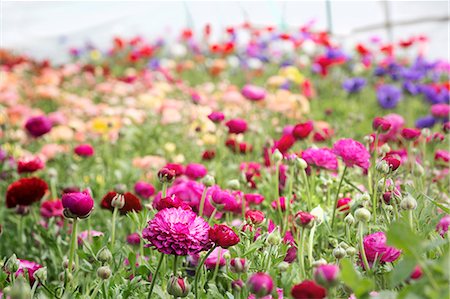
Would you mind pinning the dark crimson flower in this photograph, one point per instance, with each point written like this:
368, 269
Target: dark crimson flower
303, 219
171, 202
301, 131
208, 155
166, 175
388, 96
308, 289
216, 116
381, 124
78, 204
30, 165
132, 203
178, 168
84, 150
255, 217
387, 196
52, 208
223, 236
285, 143
354, 85
236, 126
393, 162
343, 204
25, 192
446, 127
260, 284
416, 273
410, 133
38, 125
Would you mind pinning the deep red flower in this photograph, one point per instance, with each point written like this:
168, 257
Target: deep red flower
25, 192
208, 155
52, 208
410, 133
303, 218
255, 217
285, 143
166, 175
393, 162
29, 165
178, 168
343, 204
223, 236
132, 202
308, 289
171, 202
236, 126
381, 124
301, 131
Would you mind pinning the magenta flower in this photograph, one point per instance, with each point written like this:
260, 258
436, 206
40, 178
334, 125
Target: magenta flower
30, 267
223, 200
217, 255
79, 204
84, 150
440, 110
177, 231
326, 275
84, 235
352, 153
216, 116
260, 284
320, 158
253, 93
51, 208
375, 248
38, 125
195, 171
442, 226
144, 189
236, 126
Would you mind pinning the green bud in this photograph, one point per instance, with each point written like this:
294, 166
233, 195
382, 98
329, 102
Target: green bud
349, 219
104, 255
283, 266
301, 164
178, 287
385, 148
274, 238
382, 167
343, 245
362, 215
408, 203
20, 290
209, 180
233, 185
118, 201
319, 262
41, 274
351, 251
12, 264
104, 272
339, 253
62, 276
277, 156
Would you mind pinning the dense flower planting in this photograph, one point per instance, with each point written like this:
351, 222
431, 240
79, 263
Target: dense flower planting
275, 166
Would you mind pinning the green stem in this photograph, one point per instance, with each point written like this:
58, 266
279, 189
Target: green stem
216, 268
308, 189
113, 228
211, 218
361, 246
164, 190
155, 275
202, 202
175, 264
310, 245
337, 196
410, 218
374, 199
73, 243
199, 269
300, 243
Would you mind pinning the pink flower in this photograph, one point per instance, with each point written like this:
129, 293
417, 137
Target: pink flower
442, 155
29, 165
84, 150
254, 198
375, 248
195, 171
343, 204
352, 153
38, 125
144, 189
223, 200
216, 116
52, 208
321, 158
84, 235
410, 133
236, 126
397, 122
442, 226
79, 204
253, 93
217, 255
260, 284
30, 267
134, 239
326, 275
440, 110
177, 231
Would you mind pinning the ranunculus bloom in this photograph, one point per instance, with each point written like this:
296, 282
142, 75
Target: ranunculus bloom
301, 131
223, 236
223, 200
326, 275
254, 217
303, 218
410, 133
208, 155
308, 289
320, 158
260, 284
354, 85
195, 171
38, 125
442, 226
29, 165
393, 162
79, 204
144, 189
416, 273
25, 192
343, 204
238, 265
30, 267
397, 122
134, 239
375, 247
253, 93
84, 150
442, 155
388, 96
236, 126
132, 203
352, 153
382, 124
177, 231
285, 143
216, 116
254, 198
52, 208
440, 110
177, 168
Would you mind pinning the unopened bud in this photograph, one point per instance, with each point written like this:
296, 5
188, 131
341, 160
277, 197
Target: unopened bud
12, 264
351, 251
274, 238
319, 262
118, 201
408, 203
104, 255
178, 286
104, 272
233, 184
382, 167
283, 266
209, 180
301, 164
349, 219
277, 156
385, 148
41, 274
362, 215
339, 253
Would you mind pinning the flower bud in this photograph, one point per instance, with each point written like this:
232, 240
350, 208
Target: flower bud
343, 245
369, 139
283, 266
104, 255
260, 284
238, 265
104, 272
327, 275
277, 156
20, 290
416, 273
339, 253
178, 286
319, 262
233, 185
385, 148
41, 274
209, 180
408, 203
274, 238
362, 215
382, 167
166, 175
12, 264
349, 219
65, 275
237, 284
301, 164
351, 251
255, 217
118, 201
365, 197
304, 219
22, 210
120, 188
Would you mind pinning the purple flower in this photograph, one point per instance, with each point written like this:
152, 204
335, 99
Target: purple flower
425, 122
388, 96
354, 85
38, 125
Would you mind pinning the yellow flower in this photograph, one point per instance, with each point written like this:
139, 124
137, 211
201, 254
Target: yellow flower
170, 147
292, 74
104, 125
209, 139
95, 55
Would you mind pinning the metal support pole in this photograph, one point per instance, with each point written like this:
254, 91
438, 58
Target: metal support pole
388, 23
329, 18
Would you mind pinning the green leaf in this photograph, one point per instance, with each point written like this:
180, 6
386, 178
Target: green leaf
439, 205
402, 270
402, 237
360, 286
